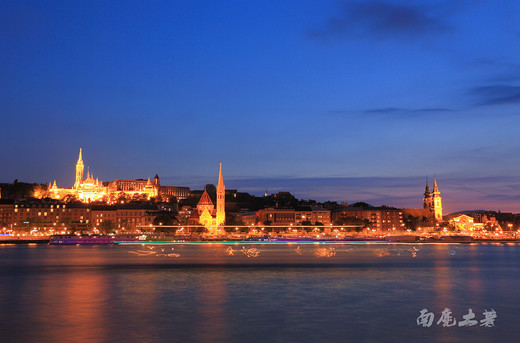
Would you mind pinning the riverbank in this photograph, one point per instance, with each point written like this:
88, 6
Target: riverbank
73, 240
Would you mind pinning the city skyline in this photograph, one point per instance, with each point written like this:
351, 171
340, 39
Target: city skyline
343, 100
400, 192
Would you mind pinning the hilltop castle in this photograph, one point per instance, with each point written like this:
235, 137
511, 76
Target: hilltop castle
432, 200
91, 189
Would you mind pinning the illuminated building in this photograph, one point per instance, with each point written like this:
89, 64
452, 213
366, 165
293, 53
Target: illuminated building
432, 200
206, 209
379, 218
6, 212
462, 222
221, 199
123, 216
298, 216
50, 214
208, 215
91, 189
85, 190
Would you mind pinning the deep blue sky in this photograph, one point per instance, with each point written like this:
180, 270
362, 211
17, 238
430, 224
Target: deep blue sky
341, 100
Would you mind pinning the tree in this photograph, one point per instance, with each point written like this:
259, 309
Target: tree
107, 226
361, 204
165, 218
413, 223
234, 219
359, 224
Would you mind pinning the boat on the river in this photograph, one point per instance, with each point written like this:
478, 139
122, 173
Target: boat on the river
91, 239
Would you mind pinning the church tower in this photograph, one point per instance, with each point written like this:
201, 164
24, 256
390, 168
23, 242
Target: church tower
427, 200
221, 199
436, 202
79, 170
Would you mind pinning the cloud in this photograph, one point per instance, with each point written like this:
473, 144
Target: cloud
496, 95
390, 110
381, 20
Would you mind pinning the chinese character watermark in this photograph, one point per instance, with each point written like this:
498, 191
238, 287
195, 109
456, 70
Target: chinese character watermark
426, 318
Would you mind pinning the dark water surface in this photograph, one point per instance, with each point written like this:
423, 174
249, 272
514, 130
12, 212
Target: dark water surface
287, 293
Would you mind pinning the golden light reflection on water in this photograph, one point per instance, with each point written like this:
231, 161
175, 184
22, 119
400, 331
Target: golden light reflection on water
85, 297
96, 294
212, 298
474, 282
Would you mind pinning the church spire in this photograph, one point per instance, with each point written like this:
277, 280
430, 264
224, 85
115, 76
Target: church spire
427, 189
221, 199
435, 188
79, 170
436, 201
220, 181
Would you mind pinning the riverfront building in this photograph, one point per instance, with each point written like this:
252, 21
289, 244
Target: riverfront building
206, 213
432, 201
379, 218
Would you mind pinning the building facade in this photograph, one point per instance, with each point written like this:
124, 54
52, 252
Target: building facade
90, 189
379, 218
206, 213
288, 216
433, 201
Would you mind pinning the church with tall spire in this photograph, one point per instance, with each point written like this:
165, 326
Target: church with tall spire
432, 200
91, 189
210, 217
86, 190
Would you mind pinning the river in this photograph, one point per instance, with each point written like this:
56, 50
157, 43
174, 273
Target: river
274, 292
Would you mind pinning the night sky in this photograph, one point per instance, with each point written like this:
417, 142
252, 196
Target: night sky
340, 100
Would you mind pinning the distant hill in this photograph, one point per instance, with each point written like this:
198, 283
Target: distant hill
17, 190
468, 212
361, 204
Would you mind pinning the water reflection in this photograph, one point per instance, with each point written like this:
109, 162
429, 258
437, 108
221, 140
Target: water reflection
212, 297
286, 293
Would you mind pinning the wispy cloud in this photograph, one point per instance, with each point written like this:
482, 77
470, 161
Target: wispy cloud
390, 110
381, 20
495, 95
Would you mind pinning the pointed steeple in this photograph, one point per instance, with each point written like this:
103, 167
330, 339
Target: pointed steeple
221, 199
436, 201
427, 189
435, 188
79, 170
220, 180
